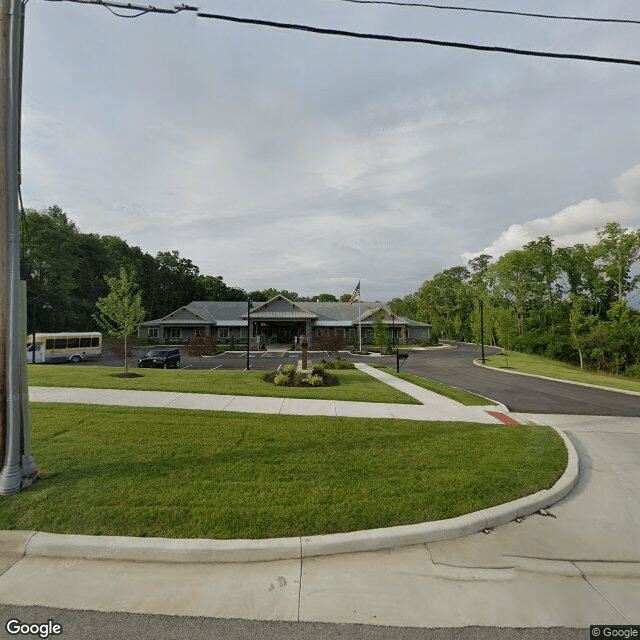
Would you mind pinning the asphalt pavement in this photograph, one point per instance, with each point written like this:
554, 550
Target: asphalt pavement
519, 393
100, 625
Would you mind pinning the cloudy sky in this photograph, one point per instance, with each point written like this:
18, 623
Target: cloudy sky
308, 162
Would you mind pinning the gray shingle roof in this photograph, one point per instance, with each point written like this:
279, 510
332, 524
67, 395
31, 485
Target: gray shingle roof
234, 313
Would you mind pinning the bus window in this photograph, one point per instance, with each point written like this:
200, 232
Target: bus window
85, 342
73, 343
50, 343
61, 343
95, 342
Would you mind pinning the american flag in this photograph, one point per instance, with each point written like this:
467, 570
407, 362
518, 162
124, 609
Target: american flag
356, 294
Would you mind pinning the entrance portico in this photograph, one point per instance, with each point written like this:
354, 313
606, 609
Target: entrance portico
280, 320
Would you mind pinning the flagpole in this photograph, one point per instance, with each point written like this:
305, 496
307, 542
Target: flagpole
359, 317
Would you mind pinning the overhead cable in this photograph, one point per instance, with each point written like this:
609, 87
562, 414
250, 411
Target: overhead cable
495, 11
142, 9
352, 34
437, 43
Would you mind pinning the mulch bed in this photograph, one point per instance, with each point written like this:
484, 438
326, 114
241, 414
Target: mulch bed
127, 375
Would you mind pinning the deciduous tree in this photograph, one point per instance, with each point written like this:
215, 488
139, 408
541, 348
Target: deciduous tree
120, 311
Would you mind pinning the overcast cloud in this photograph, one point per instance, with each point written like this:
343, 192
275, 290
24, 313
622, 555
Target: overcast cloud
309, 162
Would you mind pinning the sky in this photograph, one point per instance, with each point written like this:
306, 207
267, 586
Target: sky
310, 162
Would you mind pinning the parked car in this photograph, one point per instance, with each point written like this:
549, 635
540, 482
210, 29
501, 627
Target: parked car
161, 359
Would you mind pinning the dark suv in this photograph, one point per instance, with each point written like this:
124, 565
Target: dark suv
161, 359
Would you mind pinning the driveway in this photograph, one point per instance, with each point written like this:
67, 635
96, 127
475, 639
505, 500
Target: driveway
520, 393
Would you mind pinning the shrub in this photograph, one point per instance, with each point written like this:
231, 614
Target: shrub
319, 367
341, 363
633, 371
281, 379
331, 342
316, 380
201, 346
288, 368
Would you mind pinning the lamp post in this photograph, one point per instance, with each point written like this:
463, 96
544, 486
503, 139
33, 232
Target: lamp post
482, 329
393, 341
248, 330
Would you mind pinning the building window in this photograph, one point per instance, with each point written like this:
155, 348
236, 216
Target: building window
223, 332
174, 333
153, 333
200, 332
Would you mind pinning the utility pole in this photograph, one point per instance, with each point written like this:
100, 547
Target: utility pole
18, 468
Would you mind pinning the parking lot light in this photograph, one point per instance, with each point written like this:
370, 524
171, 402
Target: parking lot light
249, 307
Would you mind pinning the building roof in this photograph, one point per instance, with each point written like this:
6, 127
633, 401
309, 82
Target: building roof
226, 313
281, 308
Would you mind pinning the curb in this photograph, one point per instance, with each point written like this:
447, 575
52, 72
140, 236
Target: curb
535, 375
169, 550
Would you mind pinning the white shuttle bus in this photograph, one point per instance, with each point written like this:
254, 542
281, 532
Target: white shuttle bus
64, 347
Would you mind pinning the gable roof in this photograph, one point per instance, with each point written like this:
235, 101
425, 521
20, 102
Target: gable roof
226, 313
281, 308
182, 316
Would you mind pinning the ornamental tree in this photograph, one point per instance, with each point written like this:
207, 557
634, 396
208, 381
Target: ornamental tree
120, 311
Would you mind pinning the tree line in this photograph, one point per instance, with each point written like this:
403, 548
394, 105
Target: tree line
66, 273
568, 303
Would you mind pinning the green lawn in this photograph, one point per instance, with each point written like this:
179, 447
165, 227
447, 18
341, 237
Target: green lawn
354, 385
176, 473
459, 395
554, 369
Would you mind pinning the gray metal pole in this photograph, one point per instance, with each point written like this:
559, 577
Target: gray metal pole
4, 303
11, 21
482, 329
248, 330
29, 467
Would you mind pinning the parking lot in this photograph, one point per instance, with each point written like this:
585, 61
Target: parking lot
268, 360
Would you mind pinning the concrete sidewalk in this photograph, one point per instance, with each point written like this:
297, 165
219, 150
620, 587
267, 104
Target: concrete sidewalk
433, 407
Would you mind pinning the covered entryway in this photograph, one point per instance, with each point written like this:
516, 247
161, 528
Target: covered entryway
282, 332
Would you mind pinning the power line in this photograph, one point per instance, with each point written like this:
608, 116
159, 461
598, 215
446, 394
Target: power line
142, 9
495, 11
351, 34
437, 43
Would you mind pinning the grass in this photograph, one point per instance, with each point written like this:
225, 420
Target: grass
459, 395
354, 385
541, 366
175, 473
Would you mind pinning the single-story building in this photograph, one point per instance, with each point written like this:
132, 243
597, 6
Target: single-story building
280, 320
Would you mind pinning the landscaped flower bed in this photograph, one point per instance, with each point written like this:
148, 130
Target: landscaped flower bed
288, 377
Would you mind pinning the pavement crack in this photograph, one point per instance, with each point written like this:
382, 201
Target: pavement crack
22, 555
613, 606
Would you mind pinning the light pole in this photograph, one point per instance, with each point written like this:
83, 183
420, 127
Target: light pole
482, 329
393, 341
248, 330
13, 421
